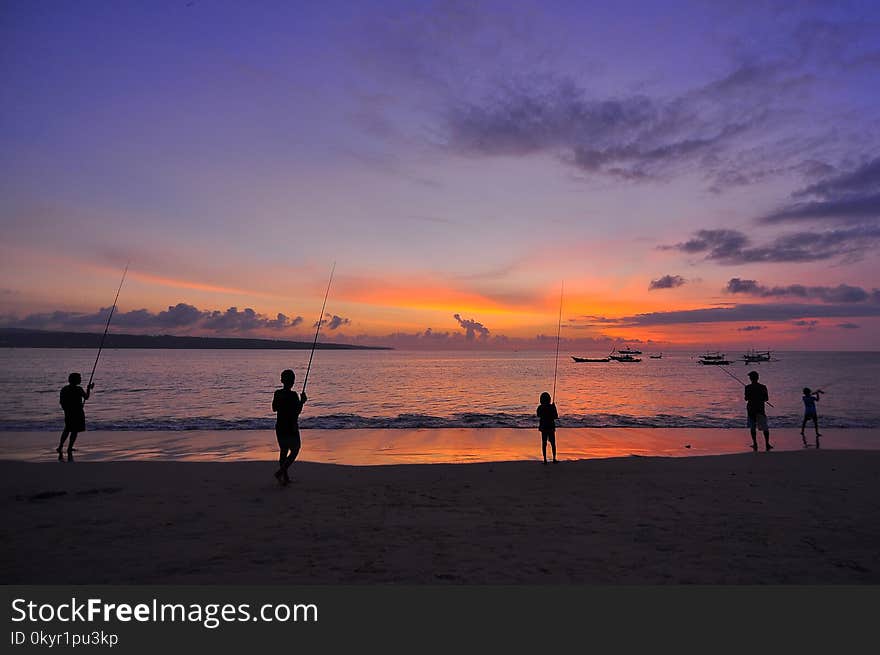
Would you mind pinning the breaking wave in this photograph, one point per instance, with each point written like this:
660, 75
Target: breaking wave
463, 420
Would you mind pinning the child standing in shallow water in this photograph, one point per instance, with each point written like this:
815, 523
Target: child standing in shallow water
810, 399
547, 416
288, 406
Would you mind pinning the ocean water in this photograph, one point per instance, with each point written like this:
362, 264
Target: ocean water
232, 389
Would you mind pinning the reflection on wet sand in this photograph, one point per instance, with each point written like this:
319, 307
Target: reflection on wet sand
365, 447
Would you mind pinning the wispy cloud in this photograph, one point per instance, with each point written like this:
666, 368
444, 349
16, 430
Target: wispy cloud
734, 247
850, 197
632, 137
742, 313
842, 293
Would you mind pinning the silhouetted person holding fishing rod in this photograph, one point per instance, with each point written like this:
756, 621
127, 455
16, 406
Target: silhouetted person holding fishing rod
547, 416
72, 398
288, 406
756, 395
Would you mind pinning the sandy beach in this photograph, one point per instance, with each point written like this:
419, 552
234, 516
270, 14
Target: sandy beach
752, 518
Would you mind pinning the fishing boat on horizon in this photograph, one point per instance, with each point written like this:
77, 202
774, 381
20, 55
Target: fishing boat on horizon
591, 359
657, 356
754, 356
629, 351
622, 356
714, 359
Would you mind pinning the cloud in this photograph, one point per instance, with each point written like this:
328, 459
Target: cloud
751, 328
472, 328
742, 313
233, 320
633, 137
842, 293
336, 321
731, 247
181, 316
850, 197
667, 282
848, 326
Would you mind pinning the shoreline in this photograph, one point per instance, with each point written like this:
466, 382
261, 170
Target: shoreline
373, 446
782, 518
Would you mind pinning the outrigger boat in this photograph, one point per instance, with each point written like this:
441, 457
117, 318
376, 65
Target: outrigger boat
591, 359
757, 356
714, 359
622, 356
658, 356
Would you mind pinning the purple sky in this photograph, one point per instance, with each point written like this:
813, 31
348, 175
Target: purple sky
696, 172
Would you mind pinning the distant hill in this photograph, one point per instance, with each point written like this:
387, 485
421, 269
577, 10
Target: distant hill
20, 338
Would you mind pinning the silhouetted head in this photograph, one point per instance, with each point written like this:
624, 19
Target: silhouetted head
807, 391
74, 378
753, 376
545, 398
287, 378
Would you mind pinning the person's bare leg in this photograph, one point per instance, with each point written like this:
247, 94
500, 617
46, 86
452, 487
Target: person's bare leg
60, 449
282, 456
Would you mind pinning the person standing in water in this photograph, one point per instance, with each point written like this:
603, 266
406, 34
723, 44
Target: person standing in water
756, 395
547, 416
288, 406
810, 399
71, 399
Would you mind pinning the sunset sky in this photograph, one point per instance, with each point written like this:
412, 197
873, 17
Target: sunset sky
696, 174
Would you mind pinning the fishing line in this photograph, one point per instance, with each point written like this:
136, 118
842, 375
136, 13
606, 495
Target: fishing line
558, 332
320, 320
107, 327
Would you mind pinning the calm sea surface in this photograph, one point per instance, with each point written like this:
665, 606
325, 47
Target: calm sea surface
232, 389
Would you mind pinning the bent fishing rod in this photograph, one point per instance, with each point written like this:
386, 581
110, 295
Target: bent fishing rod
318, 329
558, 332
740, 381
107, 327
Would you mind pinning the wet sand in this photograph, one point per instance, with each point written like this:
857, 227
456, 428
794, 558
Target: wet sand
364, 447
811, 516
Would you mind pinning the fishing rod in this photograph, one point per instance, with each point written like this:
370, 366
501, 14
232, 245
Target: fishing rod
107, 327
320, 320
558, 332
740, 381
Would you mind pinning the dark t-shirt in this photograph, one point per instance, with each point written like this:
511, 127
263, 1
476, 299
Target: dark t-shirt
756, 395
72, 398
810, 404
547, 416
288, 406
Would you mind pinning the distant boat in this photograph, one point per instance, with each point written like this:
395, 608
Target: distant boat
625, 358
591, 359
757, 356
629, 351
714, 359
622, 356
658, 356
